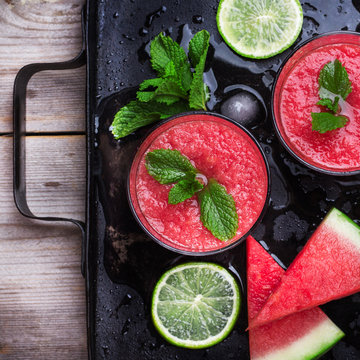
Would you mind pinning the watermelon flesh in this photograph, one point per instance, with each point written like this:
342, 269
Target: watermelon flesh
304, 335
327, 268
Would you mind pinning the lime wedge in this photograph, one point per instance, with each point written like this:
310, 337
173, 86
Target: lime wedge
259, 28
195, 305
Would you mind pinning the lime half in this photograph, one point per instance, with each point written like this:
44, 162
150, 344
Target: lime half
195, 305
259, 28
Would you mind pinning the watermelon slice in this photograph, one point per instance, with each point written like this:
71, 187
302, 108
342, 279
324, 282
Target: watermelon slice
304, 335
327, 268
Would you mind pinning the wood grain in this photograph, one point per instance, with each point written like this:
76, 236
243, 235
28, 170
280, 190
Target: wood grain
55, 174
42, 31
59, 177
42, 293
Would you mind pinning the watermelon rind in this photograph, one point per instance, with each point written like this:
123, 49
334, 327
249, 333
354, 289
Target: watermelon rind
343, 225
283, 339
337, 239
311, 346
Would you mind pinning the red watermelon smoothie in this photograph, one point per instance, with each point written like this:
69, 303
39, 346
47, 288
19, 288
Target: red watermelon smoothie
219, 149
295, 96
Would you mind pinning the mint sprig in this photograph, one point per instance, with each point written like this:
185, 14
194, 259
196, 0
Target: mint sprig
217, 207
179, 86
333, 83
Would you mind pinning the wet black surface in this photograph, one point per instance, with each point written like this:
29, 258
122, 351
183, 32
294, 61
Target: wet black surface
125, 264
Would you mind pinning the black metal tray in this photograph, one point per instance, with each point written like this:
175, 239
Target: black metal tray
121, 264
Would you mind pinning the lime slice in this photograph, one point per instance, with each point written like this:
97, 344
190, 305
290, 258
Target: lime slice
195, 305
259, 28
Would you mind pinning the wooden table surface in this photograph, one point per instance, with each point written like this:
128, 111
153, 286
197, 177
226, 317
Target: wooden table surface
42, 292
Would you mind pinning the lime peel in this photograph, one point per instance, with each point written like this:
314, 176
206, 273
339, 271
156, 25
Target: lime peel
194, 300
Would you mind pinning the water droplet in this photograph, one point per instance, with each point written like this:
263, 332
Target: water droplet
127, 37
156, 14
288, 226
126, 327
197, 19
308, 7
106, 350
311, 25
143, 32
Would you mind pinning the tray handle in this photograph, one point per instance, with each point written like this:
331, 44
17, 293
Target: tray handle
19, 120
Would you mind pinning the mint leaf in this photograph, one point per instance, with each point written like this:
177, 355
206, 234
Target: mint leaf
137, 114
150, 83
331, 105
334, 78
167, 92
164, 49
170, 88
199, 92
218, 211
198, 49
182, 76
198, 46
323, 122
184, 190
186, 76
145, 96
170, 71
169, 166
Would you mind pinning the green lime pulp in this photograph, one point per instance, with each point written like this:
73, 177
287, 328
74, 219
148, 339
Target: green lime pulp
259, 28
195, 305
